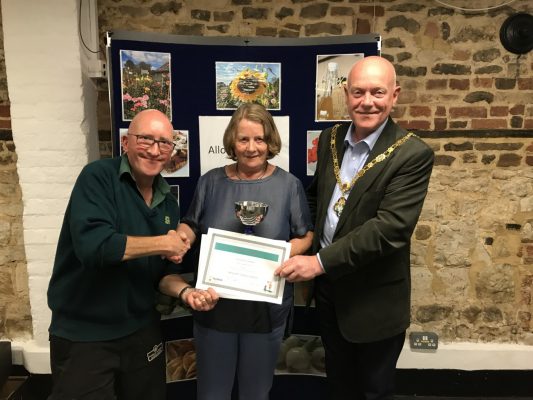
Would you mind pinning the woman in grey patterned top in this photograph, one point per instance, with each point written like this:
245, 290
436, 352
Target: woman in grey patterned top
242, 338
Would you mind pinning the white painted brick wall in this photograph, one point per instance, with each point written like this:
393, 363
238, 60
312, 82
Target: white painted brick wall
53, 116
43, 221
49, 158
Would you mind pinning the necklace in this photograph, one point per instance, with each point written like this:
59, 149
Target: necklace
238, 175
346, 187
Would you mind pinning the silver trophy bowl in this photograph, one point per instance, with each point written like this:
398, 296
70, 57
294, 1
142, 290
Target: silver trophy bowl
250, 213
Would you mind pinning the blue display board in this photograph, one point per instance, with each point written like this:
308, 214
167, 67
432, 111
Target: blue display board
193, 84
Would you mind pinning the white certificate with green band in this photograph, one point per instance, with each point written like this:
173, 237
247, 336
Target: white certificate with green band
242, 266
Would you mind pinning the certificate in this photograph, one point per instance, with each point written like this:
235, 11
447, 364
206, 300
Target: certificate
242, 266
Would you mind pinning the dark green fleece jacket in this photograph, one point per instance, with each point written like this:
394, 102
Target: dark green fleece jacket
93, 295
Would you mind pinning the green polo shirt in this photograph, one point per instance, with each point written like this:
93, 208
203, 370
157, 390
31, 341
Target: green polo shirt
160, 186
93, 294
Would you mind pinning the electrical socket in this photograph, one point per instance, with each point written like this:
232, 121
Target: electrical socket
423, 340
96, 69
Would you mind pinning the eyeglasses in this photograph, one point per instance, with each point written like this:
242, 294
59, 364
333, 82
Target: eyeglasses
144, 141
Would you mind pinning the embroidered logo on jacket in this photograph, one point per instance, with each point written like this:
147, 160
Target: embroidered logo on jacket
167, 220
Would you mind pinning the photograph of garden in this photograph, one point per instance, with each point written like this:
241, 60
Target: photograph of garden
145, 81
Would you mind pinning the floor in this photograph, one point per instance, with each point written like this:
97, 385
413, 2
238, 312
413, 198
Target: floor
459, 398
37, 387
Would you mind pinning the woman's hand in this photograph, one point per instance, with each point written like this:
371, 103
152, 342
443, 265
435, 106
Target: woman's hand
200, 300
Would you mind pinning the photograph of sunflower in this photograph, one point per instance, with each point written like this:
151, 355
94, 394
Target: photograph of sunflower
247, 82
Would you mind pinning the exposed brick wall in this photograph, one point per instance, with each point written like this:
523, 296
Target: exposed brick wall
15, 313
472, 250
472, 101
50, 109
450, 63
472, 266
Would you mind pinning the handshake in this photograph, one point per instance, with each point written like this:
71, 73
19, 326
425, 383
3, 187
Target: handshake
177, 245
174, 245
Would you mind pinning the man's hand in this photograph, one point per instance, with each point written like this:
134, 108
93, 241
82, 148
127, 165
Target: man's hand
179, 245
300, 268
201, 300
173, 246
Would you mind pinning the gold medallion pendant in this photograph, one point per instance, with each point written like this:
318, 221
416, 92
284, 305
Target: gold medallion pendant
339, 205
